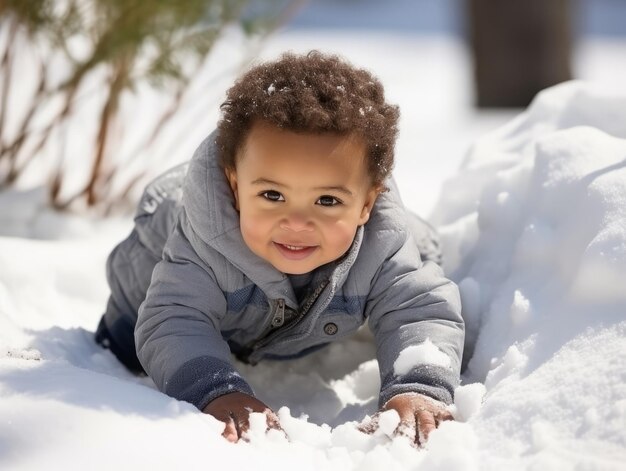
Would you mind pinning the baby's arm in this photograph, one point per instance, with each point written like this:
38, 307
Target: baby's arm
178, 337
414, 309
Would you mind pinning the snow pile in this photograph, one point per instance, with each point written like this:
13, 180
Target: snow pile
534, 226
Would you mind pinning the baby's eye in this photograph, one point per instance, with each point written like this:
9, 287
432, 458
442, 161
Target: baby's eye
327, 200
272, 195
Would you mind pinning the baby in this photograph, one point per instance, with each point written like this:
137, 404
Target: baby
284, 233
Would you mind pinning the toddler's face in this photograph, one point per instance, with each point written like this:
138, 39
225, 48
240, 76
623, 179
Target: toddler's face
300, 197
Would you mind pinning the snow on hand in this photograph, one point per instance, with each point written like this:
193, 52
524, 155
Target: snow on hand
534, 228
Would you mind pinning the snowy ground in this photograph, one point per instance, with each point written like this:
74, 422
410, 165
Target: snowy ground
534, 222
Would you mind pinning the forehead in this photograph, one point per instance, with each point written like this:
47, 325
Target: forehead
271, 150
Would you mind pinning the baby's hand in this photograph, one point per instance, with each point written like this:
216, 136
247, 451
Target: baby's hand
419, 415
234, 410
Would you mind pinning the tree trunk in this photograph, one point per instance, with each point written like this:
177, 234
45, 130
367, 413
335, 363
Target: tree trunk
519, 48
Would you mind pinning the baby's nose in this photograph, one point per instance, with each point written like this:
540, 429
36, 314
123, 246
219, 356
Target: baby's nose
296, 222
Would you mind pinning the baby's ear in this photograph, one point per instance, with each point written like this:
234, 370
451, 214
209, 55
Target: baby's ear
231, 176
370, 199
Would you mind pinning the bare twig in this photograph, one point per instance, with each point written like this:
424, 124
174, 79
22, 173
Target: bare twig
12, 151
6, 72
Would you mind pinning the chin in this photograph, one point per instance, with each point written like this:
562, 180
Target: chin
295, 268
293, 271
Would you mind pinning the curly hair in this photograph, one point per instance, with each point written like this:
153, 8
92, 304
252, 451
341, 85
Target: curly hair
312, 93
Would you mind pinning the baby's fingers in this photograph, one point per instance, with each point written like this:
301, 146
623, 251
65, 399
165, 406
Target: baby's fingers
443, 416
273, 423
406, 427
425, 424
369, 425
259, 424
230, 432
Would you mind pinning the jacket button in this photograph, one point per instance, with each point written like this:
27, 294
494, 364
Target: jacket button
331, 328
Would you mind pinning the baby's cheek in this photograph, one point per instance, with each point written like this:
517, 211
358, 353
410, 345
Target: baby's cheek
341, 237
253, 231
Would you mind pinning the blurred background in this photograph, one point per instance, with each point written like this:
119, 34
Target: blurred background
97, 97
517, 48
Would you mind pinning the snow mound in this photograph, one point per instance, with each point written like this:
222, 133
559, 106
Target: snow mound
535, 232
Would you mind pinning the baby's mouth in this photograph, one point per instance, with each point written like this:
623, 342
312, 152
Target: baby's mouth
295, 247
295, 252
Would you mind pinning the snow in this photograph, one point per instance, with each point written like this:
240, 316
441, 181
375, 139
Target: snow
534, 228
425, 353
535, 222
467, 401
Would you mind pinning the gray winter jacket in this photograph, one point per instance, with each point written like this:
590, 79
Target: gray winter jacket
210, 297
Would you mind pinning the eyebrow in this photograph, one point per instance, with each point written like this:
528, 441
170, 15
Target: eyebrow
265, 181
339, 188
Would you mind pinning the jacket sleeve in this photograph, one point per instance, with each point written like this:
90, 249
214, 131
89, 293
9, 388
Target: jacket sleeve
178, 329
415, 315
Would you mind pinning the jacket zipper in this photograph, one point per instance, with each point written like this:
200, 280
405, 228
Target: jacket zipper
278, 319
279, 314
267, 337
